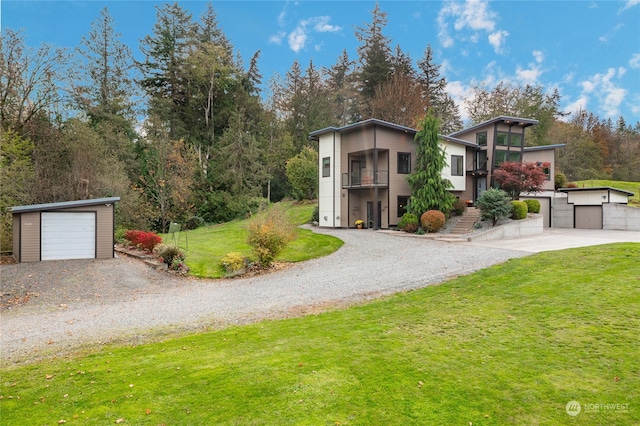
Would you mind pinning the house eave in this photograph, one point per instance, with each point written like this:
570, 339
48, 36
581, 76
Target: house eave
63, 205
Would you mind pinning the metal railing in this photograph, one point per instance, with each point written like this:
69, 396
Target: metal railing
365, 179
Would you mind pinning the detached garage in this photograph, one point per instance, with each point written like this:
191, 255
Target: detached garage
588, 202
81, 229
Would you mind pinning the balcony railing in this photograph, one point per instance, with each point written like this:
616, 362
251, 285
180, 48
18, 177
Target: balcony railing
365, 179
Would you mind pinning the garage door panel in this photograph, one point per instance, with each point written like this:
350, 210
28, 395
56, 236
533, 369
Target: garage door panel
588, 217
68, 235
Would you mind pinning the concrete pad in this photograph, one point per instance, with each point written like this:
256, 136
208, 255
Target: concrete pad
558, 239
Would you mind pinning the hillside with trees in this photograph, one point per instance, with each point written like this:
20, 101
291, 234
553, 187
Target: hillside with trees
194, 129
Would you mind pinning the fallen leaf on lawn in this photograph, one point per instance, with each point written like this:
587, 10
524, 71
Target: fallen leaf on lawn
616, 379
148, 411
66, 395
60, 422
420, 384
50, 342
120, 420
48, 376
131, 386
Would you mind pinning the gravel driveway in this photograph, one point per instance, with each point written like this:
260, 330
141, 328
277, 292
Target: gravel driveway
68, 304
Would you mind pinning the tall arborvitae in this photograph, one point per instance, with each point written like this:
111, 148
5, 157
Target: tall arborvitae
374, 57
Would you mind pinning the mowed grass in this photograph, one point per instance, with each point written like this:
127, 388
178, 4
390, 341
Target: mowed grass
627, 186
208, 245
508, 345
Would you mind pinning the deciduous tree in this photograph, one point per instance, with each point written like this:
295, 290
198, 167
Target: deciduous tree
515, 177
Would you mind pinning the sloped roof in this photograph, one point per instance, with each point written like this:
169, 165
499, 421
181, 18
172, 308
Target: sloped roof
524, 122
63, 205
370, 122
597, 188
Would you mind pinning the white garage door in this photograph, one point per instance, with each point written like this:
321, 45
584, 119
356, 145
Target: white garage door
68, 236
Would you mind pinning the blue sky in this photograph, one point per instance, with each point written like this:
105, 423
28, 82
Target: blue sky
588, 50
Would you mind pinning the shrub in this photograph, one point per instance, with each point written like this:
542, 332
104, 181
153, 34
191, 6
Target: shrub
519, 210
170, 254
193, 222
533, 206
119, 235
458, 207
420, 231
432, 220
494, 204
408, 223
559, 180
233, 263
142, 239
315, 215
571, 185
269, 234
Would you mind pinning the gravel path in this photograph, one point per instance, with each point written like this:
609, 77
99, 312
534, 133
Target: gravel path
87, 302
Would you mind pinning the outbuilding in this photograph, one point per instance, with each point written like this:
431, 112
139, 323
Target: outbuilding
588, 204
82, 229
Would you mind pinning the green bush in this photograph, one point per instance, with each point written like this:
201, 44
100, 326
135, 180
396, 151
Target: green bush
494, 204
408, 223
193, 222
315, 215
458, 207
432, 220
170, 254
559, 181
233, 263
121, 231
533, 206
519, 210
269, 234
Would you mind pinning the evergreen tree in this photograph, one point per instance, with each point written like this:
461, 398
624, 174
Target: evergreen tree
342, 90
429, 189
374, 57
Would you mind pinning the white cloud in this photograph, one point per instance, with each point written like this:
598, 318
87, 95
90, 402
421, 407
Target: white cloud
277, 38
634, 62
497, 40
603, 87
300, 35
297, 39
474, 16
538, 55
629, 4
579, 104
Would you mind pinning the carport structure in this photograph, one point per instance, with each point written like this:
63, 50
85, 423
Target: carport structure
82, 229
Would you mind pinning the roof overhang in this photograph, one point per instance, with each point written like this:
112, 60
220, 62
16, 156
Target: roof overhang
63, 205
543, 147
597, 188
315, 135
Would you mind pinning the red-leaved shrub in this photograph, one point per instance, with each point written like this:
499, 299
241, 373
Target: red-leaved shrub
145, 240
432, 220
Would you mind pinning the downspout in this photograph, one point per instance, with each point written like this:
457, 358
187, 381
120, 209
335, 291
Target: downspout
334, 181
375, 180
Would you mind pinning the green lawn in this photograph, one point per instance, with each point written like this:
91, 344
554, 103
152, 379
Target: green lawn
207, 245
511, 344
627, 186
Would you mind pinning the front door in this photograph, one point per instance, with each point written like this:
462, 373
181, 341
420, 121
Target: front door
481, 186
370, 214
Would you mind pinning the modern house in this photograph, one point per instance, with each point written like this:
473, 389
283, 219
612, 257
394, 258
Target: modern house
363, 166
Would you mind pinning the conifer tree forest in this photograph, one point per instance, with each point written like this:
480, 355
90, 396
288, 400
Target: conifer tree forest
194, 129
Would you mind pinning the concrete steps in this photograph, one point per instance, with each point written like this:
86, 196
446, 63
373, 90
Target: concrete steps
465, 224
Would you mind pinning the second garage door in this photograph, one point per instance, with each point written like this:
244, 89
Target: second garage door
588, 217
68, 235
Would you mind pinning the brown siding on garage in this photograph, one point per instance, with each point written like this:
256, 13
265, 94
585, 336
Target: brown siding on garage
587, 217
104, 228
30, 237
15, 227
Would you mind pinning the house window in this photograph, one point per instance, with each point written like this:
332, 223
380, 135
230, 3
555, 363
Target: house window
514, 156
502, 138
499, 158
403, 202
326, 167
545, 169
481, 138
516, 139
404, 163
457, 165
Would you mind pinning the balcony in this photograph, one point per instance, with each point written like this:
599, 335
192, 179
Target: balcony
366, 179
